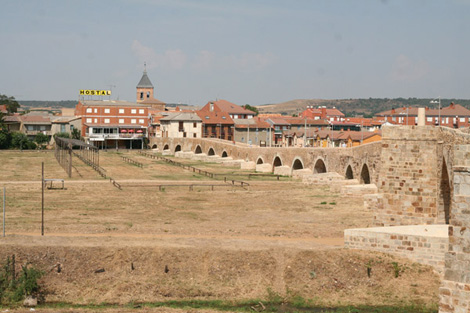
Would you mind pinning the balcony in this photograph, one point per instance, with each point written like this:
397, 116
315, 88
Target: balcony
115, 136
35, 132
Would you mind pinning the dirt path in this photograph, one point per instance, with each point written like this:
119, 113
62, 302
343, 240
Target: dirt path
171, 240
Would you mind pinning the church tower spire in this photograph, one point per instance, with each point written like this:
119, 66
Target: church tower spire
144, 87
145, 92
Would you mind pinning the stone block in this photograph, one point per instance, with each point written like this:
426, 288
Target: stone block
250, 165
264, 168
282, 170
301, 173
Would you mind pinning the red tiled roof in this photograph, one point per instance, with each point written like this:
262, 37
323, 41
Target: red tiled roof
279, 121
322, 111
209, 117
301, 121
35, 119
226, 106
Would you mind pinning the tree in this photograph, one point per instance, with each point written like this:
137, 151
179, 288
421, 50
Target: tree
76, 134
252, 108
21, 141
10, 102
41, 139
5, 139
62, 135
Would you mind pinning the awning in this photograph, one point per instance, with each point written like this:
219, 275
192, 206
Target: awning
123, 131
140, 131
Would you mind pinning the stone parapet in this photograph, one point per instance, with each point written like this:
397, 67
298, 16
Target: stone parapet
422, 244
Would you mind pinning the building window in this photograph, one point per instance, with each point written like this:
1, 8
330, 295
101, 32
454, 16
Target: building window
429, 119
148, 94
106, 111
194, 124
62, 128
89, 110
106, 120
133, 121
96, 110
141, 121
194, 135
141, 95
121, 111
96, 120
121, 121
88, 120
133, 111
141, 111
462, 120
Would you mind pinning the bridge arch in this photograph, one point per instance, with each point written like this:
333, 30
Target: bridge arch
445, 196
154, 146
365, 175
277, 162
319, 166
166, 147
211, 151
297, 164
224, 154
349, 172
177, 148
198, 150
260, 160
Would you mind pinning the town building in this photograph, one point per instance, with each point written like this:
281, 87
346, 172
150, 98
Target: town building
253, 131
32, 124
233, 110
323, 113
113, 123
279, 125
216, 125
181, 125
454, 116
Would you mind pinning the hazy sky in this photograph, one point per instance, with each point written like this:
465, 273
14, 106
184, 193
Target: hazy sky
244, 51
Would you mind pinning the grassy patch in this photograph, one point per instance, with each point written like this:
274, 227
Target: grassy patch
274, 305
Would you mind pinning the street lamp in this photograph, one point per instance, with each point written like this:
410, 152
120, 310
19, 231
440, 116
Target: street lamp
434, 101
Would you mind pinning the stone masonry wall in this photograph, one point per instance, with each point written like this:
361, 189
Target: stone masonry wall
418, 246
455, 288
409, 177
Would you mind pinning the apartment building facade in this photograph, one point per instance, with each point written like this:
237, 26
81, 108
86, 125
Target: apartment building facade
113, 123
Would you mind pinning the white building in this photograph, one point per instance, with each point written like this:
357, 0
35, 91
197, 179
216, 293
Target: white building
180, 125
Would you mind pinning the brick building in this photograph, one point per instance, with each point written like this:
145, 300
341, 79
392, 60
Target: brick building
113, 123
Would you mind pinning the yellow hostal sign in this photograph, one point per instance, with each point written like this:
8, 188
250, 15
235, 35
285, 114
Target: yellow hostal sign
86, 92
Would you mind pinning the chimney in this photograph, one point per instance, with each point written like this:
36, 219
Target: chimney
452, 105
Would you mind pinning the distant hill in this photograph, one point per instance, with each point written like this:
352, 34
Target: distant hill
28, 104
356, 107
47, 104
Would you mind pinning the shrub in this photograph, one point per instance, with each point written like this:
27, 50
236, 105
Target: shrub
14, 289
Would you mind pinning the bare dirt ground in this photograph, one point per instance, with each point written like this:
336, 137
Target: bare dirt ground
229, 243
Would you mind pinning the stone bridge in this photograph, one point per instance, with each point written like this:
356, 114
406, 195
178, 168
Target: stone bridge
423, 178
361, 163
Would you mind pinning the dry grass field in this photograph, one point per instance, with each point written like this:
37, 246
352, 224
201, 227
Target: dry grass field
273, 237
